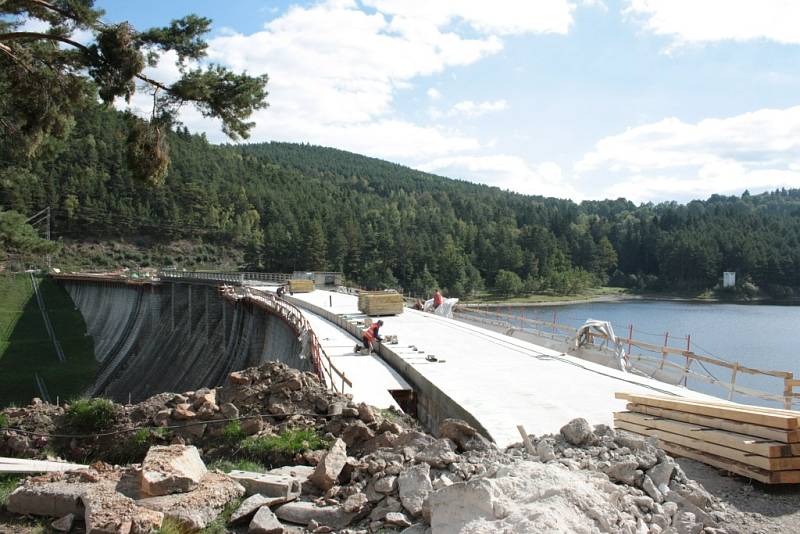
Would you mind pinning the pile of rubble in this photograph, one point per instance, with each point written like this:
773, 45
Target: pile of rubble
262, 400
376, 474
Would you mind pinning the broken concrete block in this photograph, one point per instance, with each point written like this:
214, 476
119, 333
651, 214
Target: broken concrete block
196, 509
329, 467
265, 522
438, 454
171, 469
266, 484
183, 412
53, 499
415, 485
110, 512
355, 502
251, 505
397, 519
302, 513
64, 524
463, 435
577, 432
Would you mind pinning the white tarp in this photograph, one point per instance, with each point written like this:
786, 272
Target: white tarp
603, 328
445, 310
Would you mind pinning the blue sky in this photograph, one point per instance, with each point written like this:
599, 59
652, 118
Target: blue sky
647, 99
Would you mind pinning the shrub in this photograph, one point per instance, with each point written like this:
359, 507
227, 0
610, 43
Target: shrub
91, 415
508, 283
287, 442
3, 421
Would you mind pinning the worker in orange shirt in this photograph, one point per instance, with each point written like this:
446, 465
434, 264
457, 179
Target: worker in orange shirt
371, 334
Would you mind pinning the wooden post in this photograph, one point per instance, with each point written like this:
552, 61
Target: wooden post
733, 380
554, 321
526, 440
788, 391
666, 339
630, 337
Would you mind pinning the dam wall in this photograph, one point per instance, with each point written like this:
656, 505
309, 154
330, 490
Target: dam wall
176, 336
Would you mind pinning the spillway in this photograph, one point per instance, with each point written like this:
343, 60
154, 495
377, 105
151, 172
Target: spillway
173, 336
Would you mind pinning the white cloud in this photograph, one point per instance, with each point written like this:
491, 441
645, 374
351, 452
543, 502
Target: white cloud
500, 17
468, 108
700, 21
672, 158
507, 172
434, 94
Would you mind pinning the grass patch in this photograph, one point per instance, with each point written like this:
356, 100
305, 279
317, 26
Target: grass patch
7, 484
488, 297
233, 433
92, 415
26, 349
3, 421
170, 526
288, 442
219, 525
226, 466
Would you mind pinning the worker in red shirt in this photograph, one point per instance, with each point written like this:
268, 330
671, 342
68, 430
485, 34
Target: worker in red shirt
437, 299
371, 334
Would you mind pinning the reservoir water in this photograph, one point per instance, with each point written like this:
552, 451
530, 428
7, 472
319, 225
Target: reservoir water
755, 335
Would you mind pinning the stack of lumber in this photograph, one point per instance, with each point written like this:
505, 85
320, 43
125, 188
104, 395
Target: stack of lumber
758, 443
378, 303
301, 285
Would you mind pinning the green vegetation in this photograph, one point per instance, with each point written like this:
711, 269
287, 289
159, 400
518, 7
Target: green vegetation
170, 526
3, 421
592, 293
47, 79
227, 466
219, 525
289, 442
233, 433
7, 485
26, 349
93, 415
282, 207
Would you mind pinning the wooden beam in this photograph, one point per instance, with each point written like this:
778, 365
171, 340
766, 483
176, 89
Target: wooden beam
754, 445
767, 477
775, 434
736, 412
770, 464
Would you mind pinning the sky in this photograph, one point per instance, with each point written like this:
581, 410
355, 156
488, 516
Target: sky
651, 100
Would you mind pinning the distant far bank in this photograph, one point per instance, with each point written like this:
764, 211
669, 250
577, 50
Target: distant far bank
617, 294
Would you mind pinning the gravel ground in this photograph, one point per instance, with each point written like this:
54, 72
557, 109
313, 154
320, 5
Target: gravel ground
762, 509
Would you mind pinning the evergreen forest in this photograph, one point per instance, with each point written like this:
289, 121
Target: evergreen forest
286, 207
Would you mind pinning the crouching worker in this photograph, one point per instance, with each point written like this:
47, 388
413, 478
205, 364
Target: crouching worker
369, 335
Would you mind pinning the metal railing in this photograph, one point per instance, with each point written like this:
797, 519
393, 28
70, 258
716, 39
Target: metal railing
651, 359
229, 277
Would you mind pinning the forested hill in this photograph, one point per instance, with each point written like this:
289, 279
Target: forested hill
293, 206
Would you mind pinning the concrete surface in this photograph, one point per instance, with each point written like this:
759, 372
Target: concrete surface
500, 380
372, 377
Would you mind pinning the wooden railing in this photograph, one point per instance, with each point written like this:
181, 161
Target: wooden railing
645, 363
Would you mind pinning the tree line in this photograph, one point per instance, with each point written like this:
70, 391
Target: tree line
301, 207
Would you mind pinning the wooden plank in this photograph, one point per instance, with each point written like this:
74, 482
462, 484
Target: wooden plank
20, 465
755, 445
775, 434
767, 477
729, 404
770, 464
756, 417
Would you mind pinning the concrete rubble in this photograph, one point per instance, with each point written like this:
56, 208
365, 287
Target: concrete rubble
376, 474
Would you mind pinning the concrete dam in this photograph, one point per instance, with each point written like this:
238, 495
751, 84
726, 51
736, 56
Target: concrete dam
152, 337
183, 331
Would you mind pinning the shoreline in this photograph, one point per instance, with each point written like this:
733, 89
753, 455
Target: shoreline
628, 297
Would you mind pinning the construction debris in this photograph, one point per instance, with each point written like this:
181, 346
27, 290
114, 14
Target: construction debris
758, 443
